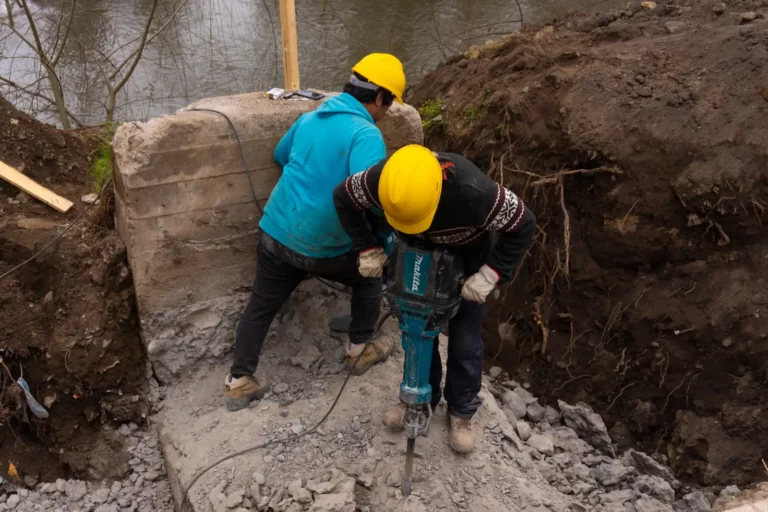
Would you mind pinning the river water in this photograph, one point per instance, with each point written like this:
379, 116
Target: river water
219, 47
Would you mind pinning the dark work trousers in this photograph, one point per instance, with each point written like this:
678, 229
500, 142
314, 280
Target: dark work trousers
464, 374
278, 272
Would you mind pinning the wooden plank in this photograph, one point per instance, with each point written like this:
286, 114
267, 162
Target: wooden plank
290, 44
33, 188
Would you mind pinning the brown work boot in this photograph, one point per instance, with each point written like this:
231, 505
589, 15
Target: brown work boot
393, 418
242, 391
461, 437
374, 352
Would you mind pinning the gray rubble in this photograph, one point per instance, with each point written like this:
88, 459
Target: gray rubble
145, 488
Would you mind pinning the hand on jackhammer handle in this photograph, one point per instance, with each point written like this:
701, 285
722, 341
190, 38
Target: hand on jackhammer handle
480, 285
370, 262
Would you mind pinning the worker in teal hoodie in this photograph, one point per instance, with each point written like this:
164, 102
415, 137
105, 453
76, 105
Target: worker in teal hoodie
300, 233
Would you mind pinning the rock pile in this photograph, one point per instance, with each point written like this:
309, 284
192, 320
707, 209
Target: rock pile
146, 488
572, 450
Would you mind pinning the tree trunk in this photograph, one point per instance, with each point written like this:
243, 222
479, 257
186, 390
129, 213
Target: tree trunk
58, 95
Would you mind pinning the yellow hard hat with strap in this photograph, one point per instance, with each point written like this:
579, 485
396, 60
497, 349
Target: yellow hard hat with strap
410, 187
384, 70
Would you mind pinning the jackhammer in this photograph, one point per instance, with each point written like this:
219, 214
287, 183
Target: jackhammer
423, 290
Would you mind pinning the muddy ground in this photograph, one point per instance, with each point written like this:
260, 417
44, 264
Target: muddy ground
639, 139
68, 319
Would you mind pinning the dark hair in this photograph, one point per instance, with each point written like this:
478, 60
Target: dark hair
368, 95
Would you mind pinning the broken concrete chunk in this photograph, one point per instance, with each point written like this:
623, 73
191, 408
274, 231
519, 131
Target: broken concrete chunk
306, 356
536, 412
656, 487
693, 502
646, 465
333, 503
542, 444
588, 425
523, 430
610, 473
515, 403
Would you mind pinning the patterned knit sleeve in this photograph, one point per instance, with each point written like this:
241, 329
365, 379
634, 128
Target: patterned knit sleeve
516, 226
353, 198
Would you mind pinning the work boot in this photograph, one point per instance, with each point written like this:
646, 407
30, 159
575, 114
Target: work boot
242, 391
374, 352
461, 437
393, 418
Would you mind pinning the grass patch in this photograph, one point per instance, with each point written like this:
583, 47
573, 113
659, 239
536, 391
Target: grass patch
101, 157
471, 113
431, 114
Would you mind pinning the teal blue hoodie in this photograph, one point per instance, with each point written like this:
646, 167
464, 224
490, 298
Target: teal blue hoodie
322, 149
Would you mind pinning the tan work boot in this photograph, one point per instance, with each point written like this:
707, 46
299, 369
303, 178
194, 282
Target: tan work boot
393, 418
462, 436
374, 352
242, 391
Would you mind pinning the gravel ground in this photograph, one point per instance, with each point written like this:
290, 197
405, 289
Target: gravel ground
146, 488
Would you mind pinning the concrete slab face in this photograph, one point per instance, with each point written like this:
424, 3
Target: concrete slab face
187, 215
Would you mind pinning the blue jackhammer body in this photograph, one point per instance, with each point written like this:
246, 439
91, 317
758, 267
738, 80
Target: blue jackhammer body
423, 288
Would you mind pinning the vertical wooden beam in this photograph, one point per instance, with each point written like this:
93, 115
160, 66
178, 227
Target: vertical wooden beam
290, 44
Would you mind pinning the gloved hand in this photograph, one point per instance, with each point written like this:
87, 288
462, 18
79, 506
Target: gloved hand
370, 262
479, 285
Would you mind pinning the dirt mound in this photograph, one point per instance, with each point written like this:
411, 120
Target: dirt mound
67, 320
638, 138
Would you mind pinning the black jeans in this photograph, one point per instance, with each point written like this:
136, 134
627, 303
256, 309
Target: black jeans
464, 374
278, 272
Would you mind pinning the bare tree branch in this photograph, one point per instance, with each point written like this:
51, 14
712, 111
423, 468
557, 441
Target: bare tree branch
10, 13
53, 78
113, 90
60, 51
37, 94
149, 39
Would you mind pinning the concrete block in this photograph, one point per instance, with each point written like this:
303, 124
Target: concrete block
186, 212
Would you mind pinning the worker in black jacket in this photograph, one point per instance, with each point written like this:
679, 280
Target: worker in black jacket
445, 199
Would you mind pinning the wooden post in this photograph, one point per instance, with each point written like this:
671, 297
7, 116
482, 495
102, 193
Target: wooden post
290, 44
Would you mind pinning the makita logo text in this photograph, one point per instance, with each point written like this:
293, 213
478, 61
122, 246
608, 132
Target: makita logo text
417, 273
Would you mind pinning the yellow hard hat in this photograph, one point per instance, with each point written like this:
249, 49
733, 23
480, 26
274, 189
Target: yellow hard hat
409, 189
384, 70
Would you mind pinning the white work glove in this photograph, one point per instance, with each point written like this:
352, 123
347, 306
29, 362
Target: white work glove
370, 262
479, 285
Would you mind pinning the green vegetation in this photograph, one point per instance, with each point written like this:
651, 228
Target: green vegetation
431, 114
101, 157
471, 113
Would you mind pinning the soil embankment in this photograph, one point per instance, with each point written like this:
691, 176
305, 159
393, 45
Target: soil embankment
67, 319
639, 139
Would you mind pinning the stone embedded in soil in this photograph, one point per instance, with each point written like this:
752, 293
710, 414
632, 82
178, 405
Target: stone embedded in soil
124, 430
648, 504
100, 496
588, 425
731, 490
75, 489
523, 430
495, 371
13, 501
693, 502
749, 17
306, 357
552, 415
719, 8
610, 473
673, 27
656, 487
542, 444
535, 412
515, 403
281, 387
646, 465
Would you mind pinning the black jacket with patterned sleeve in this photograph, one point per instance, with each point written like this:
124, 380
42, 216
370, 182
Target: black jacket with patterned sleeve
484, 222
